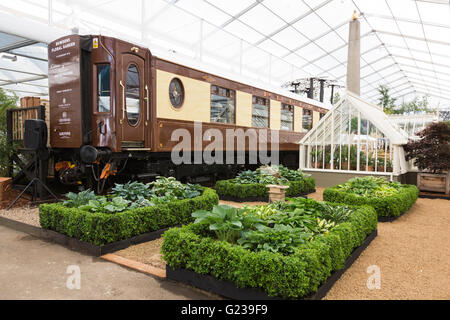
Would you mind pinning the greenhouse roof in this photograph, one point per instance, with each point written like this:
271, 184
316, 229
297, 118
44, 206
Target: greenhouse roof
404, 43
330, 122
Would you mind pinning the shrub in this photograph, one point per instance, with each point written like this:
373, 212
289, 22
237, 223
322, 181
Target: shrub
432, 151
388, 199
294, 275
101, 228
232, 188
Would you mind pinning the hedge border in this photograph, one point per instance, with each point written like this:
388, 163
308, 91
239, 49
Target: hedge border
388, 208
103, 228
229, 290
295, 276
229, 190
75, 244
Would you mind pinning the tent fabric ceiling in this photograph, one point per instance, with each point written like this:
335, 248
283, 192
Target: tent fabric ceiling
404, 45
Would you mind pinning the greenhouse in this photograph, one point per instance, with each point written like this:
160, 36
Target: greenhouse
356, 136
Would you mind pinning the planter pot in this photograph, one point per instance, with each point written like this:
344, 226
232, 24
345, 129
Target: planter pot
380, 168
437, 182
328, 166
344, 165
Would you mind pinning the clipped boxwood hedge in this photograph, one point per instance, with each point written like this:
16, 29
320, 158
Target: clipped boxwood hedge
293, 276
230, 188
387, 207
103, 228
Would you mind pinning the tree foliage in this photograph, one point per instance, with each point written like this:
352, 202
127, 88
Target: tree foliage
6, 102
432, 151
390, 106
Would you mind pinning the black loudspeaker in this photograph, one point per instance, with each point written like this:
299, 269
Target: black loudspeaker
35, 134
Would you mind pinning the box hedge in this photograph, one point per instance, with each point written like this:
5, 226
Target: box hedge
387, 207
231, 188
103, 228
293, 276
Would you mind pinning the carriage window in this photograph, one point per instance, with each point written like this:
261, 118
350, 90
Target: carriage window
133, 94
260, 117
307, 119
222, 105
287, 117
103, 88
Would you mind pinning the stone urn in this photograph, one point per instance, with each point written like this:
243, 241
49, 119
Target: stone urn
277, 192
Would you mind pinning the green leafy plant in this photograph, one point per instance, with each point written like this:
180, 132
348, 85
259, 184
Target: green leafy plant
281, 238
132, 191
163, 186
226, 222
75, 200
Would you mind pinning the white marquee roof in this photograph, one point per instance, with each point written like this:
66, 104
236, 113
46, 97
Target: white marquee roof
405, 43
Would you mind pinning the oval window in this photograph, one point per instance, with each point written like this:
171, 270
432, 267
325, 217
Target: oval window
176, 92
133, 92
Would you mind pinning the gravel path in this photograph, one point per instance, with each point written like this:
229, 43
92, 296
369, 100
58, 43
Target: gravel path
26, 214
412, 254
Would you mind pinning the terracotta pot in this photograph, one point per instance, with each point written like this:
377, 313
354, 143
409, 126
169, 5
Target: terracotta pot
380, 168
370, 168
344, 165
328, 166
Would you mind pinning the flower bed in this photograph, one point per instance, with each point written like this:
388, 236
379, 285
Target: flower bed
285, 250
102, 220
251, 185
389, 199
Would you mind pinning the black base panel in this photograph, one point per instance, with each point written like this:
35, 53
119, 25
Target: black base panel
77, 245
388, 219
229, 290
260, 199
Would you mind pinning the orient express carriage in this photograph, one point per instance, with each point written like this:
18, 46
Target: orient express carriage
114, 107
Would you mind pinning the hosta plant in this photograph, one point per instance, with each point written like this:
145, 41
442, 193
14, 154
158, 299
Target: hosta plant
75, 200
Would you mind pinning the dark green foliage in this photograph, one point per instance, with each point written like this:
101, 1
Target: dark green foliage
294, 275
102, 228
132, 191
388, 199
226, 222
231, 188
7, 101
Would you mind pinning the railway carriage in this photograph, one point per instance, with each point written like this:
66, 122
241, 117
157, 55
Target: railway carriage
114, 107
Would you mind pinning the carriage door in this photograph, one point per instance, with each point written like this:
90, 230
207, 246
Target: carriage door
134, 102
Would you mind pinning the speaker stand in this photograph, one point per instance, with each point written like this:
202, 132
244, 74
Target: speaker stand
33, 183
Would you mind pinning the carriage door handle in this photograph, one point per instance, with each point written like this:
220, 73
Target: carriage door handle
123, 101
147, 100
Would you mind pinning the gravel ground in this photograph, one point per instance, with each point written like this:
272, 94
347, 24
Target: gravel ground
26, 214
412, 254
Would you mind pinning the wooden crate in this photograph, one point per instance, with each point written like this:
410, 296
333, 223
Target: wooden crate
27, 102
5, 188
434, 182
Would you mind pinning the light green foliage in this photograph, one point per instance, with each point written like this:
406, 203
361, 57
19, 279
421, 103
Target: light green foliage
390, 199
172, 188
75, 200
